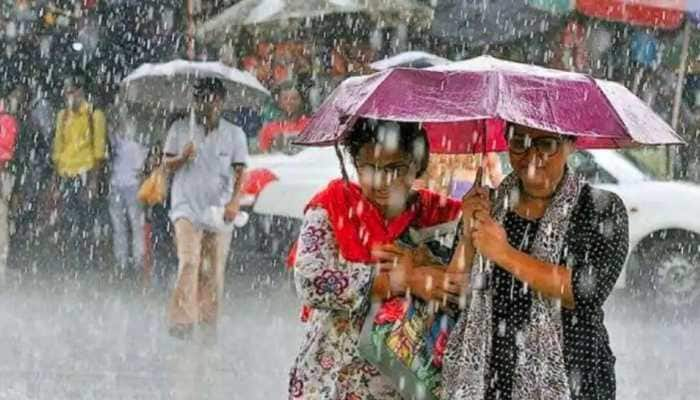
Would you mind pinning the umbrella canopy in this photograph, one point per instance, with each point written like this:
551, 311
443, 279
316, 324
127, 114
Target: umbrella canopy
663, 14
600, 114
414, 59
480, 23
170, 85
278, 13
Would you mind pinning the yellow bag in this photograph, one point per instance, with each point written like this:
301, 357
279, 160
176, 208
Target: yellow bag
154, 189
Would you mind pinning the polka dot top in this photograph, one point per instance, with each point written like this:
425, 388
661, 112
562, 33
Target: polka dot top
595, 250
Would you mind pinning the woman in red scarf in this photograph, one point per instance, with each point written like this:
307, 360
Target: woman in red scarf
346, 255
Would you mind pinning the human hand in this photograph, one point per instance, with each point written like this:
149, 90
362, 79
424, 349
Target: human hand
488, 237
476, 200
454, 287
421, 256
189, 152
231, 211
438, 284
398, 263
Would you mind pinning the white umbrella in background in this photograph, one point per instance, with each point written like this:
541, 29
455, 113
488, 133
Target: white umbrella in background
170, 85
415, 59
277, 14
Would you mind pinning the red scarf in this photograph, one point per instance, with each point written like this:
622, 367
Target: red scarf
359, 226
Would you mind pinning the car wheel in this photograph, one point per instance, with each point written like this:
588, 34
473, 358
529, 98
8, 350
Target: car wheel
670, 272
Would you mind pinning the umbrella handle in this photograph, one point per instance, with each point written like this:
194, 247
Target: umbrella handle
341, 159
479, 179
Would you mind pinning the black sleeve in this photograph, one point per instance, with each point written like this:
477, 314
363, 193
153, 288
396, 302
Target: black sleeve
602, 247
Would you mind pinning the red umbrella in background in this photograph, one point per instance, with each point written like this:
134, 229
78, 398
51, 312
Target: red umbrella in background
662, 14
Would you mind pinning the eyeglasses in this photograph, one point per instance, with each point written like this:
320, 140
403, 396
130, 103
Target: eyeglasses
203, 96
548, 146
392, 170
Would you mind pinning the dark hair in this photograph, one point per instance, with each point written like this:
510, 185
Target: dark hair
284, 86
77, 79
411, 134
206, 86
296, 85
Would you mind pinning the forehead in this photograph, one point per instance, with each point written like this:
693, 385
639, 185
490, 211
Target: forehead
381, 155
72, 89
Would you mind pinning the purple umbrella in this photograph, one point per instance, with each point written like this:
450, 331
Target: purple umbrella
601, 114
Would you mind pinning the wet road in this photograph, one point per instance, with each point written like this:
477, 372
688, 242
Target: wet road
63, 337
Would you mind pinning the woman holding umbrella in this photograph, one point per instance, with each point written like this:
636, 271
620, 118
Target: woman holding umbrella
534, 328
346, 257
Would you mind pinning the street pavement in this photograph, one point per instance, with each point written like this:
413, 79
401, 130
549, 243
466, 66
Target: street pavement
82, 335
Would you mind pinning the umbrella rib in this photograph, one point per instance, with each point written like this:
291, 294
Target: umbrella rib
497, 95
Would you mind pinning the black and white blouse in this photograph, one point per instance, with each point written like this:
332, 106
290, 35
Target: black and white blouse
595, 250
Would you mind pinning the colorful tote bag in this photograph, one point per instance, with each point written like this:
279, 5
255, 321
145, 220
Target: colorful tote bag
405, 338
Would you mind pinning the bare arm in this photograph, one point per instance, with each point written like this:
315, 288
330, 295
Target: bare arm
233, 207
553, 281
173, 162
590, 283
238, 171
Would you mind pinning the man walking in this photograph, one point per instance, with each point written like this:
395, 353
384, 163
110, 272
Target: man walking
207, 156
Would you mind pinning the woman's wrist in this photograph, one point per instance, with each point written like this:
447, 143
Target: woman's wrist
508, 259
399, 280
422, 282
381, 287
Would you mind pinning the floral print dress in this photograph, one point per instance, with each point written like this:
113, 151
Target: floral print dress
328, 366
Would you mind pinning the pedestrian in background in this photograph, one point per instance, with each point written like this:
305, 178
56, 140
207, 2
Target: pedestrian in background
79, 153
207, 156
10, 110
126, 213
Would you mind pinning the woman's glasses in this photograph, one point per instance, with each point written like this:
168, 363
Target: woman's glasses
548, 146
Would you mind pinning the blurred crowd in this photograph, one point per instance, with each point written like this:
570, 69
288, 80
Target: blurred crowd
72, 155
69, 177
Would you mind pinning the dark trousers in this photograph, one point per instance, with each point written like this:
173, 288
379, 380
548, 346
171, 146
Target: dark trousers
79, 220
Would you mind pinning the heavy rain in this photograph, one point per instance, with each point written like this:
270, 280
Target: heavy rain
350, 199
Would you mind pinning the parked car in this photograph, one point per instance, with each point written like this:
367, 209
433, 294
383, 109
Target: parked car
271, 233
664, 261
